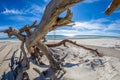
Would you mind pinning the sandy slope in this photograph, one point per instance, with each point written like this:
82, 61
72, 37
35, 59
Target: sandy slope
75, 63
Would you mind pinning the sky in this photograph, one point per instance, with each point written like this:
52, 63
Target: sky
88, 16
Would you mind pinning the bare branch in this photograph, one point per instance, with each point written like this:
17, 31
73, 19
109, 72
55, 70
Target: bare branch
13, 32
74, 43
114, 5
28, 27
49, 19
63, 21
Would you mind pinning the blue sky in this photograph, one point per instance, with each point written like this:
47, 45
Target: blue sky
89, 17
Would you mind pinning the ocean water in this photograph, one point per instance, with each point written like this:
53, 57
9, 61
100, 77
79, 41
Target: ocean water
68, 37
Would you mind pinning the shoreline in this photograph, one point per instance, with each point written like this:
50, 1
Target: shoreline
59, 39
62, 37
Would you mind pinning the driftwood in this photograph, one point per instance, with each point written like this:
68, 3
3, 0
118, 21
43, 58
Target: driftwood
50, 21
27, 29
18, 67
74, 43
115, 4
37, 55
32, 39
13, 32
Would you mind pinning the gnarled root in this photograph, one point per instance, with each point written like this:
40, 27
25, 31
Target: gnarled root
49, 54
74, 43
58, 73
37, 55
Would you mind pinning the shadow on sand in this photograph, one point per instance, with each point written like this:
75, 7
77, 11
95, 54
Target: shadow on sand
32, 60
8, 76
46, 75
68, 65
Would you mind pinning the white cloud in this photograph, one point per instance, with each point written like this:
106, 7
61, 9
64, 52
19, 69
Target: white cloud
76, 32
100, 20
90, 1
35, 10
92, 24
87, 25
100, 26
113, 26
12, 11
46, 0
25, 19
64, 32
3, 35
32, 9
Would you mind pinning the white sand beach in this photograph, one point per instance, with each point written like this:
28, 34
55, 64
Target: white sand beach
77, 63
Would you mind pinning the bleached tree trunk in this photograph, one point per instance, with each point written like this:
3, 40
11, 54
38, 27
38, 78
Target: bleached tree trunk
51, 21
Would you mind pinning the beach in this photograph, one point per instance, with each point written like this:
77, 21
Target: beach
76, 66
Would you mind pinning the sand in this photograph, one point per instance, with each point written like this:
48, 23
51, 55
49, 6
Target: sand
77, 63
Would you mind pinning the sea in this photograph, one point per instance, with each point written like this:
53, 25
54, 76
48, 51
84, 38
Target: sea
68, 37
